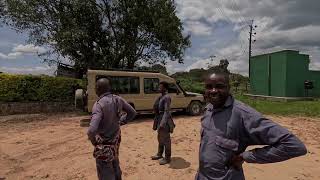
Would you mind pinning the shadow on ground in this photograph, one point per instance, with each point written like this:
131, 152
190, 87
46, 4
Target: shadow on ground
179, 163
149, 117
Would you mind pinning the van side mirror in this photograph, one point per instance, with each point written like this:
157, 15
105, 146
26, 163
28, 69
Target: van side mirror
178, 92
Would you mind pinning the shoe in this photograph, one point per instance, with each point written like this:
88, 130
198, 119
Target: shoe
164, 161
156, 157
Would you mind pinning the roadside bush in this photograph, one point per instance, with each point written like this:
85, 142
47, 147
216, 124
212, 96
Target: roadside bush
26, 88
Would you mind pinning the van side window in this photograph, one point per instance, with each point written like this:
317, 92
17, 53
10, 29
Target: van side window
173, 88
123, 84
151, 85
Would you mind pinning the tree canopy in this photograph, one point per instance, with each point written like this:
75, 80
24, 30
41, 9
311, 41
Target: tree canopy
101, 33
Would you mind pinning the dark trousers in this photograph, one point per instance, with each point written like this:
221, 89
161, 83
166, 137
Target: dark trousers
164, 143
108, 170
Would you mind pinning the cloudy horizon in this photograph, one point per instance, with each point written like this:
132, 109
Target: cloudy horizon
218, 28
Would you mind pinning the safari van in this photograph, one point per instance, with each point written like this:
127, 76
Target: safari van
140, 90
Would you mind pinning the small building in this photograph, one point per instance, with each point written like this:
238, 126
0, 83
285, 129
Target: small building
283, 74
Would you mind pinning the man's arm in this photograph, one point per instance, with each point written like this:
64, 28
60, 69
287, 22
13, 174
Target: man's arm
96, 117
130, 112
281, 144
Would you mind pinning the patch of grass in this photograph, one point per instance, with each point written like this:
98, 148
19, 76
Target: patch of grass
296, 108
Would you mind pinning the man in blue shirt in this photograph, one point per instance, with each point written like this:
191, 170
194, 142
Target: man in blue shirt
228, 127
163, 123
104, 131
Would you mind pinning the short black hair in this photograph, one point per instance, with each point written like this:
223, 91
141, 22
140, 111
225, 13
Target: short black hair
107, 78
165, 84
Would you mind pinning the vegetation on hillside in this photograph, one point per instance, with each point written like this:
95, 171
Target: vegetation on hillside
193, 80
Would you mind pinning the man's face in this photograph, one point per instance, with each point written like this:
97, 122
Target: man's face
162, 89
216, 90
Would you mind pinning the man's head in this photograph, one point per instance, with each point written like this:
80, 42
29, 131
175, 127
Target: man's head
217, 89
103, 85
163, 87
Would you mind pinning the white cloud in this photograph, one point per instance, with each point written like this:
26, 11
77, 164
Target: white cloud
200, 63
281, 25
20, 50
13, 55
173, 66
29, 48
37, 70
204, 50
198, 28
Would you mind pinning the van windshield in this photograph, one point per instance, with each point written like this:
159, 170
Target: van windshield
184, 92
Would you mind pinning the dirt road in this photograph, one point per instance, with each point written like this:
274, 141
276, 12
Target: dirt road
56, 147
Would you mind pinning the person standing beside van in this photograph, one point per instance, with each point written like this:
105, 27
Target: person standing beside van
163, 124
104, 131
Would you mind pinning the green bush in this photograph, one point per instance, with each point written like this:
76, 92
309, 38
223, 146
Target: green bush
25, 88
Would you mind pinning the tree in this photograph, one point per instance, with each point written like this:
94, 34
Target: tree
101, 33
156, 67
221, 68
224, 63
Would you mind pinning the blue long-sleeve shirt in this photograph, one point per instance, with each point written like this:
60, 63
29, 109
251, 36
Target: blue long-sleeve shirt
163, 115
106, 115
230, 130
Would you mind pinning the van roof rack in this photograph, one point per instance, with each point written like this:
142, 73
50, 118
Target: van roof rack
127, 70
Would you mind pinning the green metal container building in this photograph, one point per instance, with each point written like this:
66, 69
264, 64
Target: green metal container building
282, 74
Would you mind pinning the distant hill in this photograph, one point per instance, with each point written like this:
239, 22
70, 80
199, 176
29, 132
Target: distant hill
193, 80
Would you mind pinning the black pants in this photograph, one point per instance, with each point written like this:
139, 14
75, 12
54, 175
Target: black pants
108, 170
164, 143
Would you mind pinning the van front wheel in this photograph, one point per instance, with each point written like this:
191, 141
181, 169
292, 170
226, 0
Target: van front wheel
195, 108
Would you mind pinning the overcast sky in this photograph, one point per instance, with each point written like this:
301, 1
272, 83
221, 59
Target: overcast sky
217, 27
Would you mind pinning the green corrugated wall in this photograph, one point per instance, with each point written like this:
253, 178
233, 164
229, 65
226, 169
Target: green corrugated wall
278, 74
282, 74
297, 73
259, 75
315, 77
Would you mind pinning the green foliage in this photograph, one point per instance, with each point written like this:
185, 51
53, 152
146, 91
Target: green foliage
101, 33
194, 79
296, 108
24, 88
191, 84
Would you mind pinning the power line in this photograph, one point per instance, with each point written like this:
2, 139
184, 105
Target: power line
242, 42
234, 5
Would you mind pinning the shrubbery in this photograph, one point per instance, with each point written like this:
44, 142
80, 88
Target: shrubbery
25, 88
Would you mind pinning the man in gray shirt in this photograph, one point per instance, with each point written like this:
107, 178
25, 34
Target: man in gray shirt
163, 123
104, 131
228, 127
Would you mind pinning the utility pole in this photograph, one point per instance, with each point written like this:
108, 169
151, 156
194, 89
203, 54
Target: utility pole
251, 34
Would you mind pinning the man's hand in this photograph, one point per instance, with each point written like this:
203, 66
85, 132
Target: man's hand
122, 123
93, 141
236, 162
99, 139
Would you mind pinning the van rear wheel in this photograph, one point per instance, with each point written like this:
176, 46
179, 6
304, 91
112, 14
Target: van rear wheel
195, 108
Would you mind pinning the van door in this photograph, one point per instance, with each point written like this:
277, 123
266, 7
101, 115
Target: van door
150, 93
178, 100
